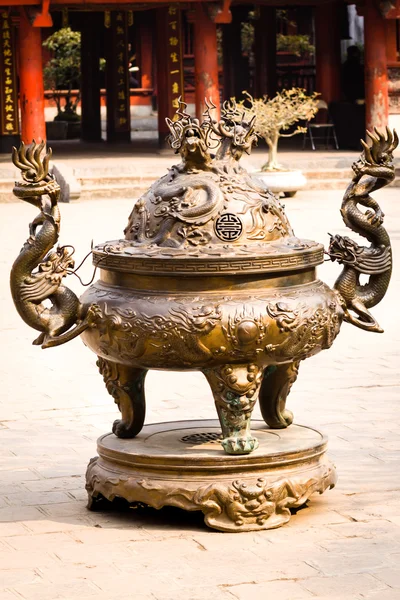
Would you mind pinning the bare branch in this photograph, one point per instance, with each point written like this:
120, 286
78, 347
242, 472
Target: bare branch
277, 115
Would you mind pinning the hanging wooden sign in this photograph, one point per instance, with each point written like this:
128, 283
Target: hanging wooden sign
117, 78
175, 66
122, 87
9, 122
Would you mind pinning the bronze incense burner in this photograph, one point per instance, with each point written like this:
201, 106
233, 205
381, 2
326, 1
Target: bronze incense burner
209, 277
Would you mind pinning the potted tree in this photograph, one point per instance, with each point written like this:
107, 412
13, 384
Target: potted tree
62, 72
297, 45
276, 118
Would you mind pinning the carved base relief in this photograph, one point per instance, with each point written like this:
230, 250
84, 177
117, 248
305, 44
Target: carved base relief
236, 494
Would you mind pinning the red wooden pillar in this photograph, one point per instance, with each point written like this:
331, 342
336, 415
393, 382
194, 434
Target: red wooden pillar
205, 60
265, 52
235, 64
228, 39
391, 40
327, 38
90, 76
31, 88
145, 48
375, 65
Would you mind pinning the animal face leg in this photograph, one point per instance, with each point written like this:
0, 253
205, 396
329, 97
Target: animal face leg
235, 389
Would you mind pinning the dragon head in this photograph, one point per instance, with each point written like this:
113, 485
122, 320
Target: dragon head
236, 127
234, 131
190, 138
59, 261
343, 249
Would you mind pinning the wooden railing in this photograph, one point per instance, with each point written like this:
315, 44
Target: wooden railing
134, 93
292, 76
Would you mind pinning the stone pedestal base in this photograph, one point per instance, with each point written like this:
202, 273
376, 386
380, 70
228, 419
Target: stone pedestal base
182, 464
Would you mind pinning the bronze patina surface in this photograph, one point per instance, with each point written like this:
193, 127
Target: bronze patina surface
209, 277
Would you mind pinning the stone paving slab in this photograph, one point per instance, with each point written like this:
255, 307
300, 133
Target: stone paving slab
343, 545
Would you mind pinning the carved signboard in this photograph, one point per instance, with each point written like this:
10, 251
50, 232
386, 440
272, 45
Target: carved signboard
117, 74
122, 97
9, 124
175, 69
169, 66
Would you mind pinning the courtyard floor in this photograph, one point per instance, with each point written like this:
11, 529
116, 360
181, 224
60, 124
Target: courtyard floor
343, 545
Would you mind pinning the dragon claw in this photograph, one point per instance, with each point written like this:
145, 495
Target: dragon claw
375, 218
239, 445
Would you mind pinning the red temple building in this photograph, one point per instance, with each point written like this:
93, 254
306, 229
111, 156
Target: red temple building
194, 50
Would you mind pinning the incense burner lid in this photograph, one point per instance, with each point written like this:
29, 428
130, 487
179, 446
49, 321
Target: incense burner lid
206, 214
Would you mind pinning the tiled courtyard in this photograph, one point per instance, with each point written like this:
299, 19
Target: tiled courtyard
344, 545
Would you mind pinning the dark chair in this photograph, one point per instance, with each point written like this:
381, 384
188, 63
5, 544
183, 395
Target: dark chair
324, 129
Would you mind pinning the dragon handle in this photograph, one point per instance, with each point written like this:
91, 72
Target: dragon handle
38, 271
372, 171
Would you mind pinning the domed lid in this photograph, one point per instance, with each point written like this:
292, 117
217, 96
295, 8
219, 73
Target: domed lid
207, 213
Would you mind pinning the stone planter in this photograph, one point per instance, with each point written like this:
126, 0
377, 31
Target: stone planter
286, 182
56, 130
74, 130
